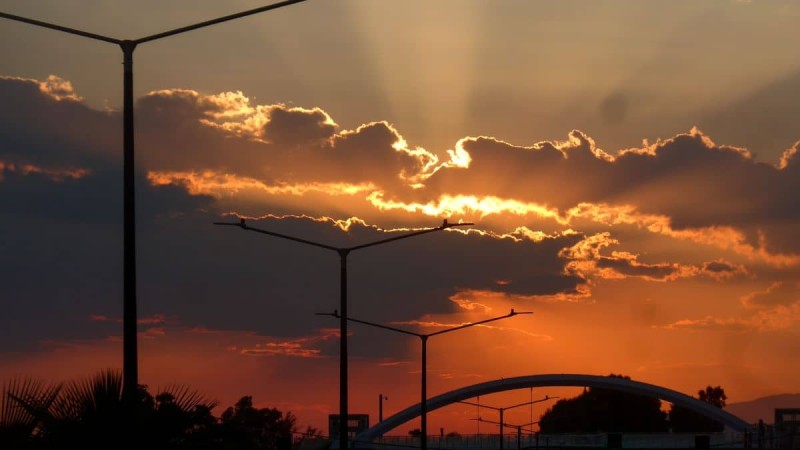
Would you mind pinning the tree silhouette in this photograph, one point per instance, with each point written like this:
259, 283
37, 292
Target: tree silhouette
685, 420
604, 410
179, 416
248, 428
89, 413
713, 396
311, 438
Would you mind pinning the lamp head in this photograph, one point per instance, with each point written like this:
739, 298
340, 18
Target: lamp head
446, 224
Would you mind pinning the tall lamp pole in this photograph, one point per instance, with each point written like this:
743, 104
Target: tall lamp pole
423, 444
518, 427
381, 398
503, 410
130, 361
343, 252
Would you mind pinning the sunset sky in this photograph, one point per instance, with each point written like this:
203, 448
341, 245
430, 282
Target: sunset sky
631, 168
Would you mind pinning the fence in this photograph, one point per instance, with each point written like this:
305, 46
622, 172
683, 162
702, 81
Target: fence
726, 439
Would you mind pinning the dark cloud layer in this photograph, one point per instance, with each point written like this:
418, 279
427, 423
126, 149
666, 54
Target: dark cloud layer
182, 130
65, 254
764, 120
724, 185
46, 120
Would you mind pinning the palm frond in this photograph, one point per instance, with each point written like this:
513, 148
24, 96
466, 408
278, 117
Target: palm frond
25, 406
97, 394
185, 398
25, 402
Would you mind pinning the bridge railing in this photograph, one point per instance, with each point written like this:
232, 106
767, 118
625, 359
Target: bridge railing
726, 439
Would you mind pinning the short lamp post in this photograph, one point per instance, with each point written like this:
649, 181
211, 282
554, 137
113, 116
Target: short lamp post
424, 371
503, 410
381, 398
518, 427
343, 252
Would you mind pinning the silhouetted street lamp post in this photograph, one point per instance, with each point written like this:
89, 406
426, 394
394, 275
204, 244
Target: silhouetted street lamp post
424, 370
130, 362
519, 432
518, 427
343, 252
381, 398
503, 410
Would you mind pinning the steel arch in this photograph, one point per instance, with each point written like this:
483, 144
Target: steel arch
550, 380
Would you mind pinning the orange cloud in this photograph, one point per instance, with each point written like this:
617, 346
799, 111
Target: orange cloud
293, 348
153, 332
59, 88
776, 295
55, 87
780, 317
342, 224
276, 150
280, 150
232, 113
466, 205
709, 324
155, 319
581, 293
789, 156
300, 347
57, 175
470, 305
726, 238
723, 237
586, 261
103, 318
275, 142
721, 270
775, 308
218, 184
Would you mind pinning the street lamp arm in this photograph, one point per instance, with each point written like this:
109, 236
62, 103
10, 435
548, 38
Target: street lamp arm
472, 324
529, 423
479, 405
385, 327
216, 21
39, 23
546, 398
506, 424
372, 324
443, 226
480, 419
241, 224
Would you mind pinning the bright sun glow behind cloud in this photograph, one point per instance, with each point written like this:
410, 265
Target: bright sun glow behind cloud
415, 78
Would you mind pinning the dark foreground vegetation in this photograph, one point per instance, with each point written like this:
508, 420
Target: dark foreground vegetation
89, 413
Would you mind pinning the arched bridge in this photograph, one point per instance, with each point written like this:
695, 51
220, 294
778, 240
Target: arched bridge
572, 380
